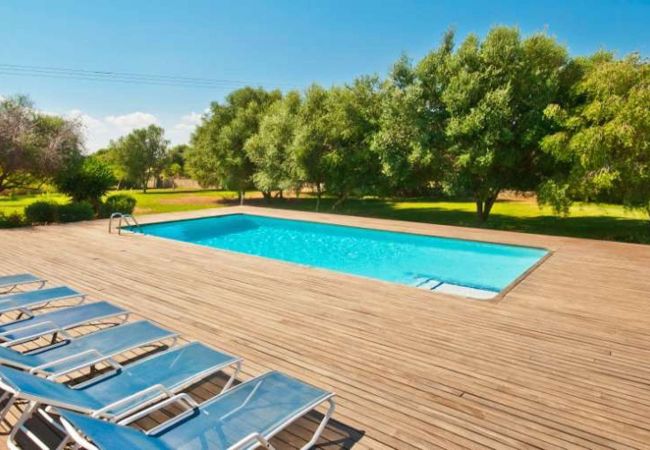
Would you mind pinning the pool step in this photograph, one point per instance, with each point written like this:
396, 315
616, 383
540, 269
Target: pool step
454, 289
430, 284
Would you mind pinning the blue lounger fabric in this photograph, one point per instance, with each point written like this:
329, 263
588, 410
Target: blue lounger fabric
261, 405
173, 369
9, 281
63, 318
31, 299
107, 342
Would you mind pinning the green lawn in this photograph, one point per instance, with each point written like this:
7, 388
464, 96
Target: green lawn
588, 220
598, 221
154, 201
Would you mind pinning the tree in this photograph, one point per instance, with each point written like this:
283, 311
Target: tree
275, 167
174, 166
411, 140
86, 179
141, 154
176, 155
217, 155
311, 142
605, 138
33, 146
497, 92
352, 114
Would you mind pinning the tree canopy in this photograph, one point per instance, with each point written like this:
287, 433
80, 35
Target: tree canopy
470, 119
496, 95
269, 150
141, 155
604, 139
217, 155
33, 145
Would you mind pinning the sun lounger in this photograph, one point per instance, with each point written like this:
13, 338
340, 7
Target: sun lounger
128, 389
75, 353
243, 417
25, 301
10, 282
52, 323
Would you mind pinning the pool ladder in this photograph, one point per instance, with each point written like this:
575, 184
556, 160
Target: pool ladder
128, 219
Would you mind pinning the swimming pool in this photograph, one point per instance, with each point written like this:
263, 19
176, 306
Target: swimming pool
469, 268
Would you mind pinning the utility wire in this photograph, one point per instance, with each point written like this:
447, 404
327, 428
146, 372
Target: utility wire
120, 77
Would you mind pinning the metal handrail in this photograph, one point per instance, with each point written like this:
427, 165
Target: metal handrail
121, 216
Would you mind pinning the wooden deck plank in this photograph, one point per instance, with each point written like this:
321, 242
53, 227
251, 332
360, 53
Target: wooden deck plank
561, 361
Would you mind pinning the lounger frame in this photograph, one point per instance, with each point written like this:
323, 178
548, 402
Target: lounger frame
38, 405
8, 288
27, 310
55, 330
249, 442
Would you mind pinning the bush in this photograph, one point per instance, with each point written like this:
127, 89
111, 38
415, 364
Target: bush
75, 212
42, 212
117, 203
86, 180
13, 220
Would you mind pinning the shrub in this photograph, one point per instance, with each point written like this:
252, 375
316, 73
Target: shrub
42, 212
12, 220
75, 212
86, 180
117, 203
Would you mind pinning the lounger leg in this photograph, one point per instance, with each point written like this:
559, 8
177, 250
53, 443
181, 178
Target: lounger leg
322, 425
11, 399
29, 410
64, 442
232, 377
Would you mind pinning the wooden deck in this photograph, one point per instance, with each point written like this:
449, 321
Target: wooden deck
561, 361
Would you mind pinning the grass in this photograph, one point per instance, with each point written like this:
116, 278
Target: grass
587, 220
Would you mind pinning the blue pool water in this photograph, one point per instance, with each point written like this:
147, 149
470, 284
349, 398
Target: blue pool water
396, 257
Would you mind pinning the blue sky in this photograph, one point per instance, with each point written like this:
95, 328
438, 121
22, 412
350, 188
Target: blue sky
286, 44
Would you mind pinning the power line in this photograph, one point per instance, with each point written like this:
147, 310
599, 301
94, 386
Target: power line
121, 77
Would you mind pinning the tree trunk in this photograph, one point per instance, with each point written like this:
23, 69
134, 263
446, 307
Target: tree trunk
267, 196
342, 198
484, 206
318, 196
241, 197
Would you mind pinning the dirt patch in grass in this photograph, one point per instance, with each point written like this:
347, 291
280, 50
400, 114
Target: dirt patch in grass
192, 200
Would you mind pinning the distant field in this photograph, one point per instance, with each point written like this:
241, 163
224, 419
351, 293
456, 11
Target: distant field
589, 220
154, 201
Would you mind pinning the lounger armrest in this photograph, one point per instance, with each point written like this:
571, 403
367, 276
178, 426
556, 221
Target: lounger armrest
248, 440
86, 363
159, 388
43, 332
178, 398
25, 327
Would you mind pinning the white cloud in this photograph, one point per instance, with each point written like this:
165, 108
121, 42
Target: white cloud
189, 121
182, 130
131, 121
99, 131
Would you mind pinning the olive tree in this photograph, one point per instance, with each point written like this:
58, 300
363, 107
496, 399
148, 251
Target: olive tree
497, 92
33, 145
269, 149
217, 155
142, 154
605, 138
